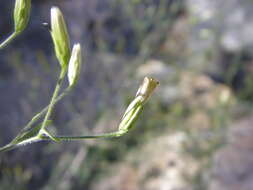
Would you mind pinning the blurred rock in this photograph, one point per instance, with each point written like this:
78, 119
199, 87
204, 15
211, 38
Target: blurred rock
237, 25
199, 121
167, 167
156, 68
175, 45
240, 135
202, 35
165, 74
201, 91
216, 27
168, 94
233, 164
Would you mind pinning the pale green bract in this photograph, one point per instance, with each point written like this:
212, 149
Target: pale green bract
74, 65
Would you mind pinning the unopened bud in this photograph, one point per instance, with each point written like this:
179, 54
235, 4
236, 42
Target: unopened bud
134, 109
131, 115
74, 64
60, 36
21, 14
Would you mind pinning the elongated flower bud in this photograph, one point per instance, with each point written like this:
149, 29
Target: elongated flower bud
74, 64
60, 36
134, 109
21, 14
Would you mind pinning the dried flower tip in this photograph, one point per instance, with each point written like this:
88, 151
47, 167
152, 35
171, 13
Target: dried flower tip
22, 11
147, 87
60, 36
74, 64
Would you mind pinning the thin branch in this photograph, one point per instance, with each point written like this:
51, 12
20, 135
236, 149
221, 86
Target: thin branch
52, 103
8, 40
29, 125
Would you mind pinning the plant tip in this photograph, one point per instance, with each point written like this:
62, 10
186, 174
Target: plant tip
60, 36
74, 64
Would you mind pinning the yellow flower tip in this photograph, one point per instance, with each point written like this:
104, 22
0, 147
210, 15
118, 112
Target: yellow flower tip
147, 88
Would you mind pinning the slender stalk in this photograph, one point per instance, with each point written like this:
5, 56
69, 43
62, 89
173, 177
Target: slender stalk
30, 126
53, 101
11, 146
8, 40
7, 148
44, 110
62, 138
70, 138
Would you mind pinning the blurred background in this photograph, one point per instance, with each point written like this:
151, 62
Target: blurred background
195, 132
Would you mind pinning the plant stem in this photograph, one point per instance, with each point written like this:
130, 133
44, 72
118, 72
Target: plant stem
11, 146
7, 148
44, 110
8, 40
52, 102
64, 138
70, 138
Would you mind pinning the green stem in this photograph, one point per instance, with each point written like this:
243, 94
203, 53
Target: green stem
11, 146
8, 40
44, 110
29, 126
7, 148
52, 102
70, 138
64, 138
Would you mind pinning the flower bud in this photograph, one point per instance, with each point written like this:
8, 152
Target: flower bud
134, 109
74, 64
21, 14
60, 36
131, 114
